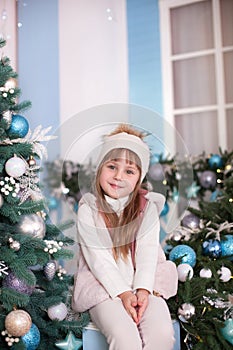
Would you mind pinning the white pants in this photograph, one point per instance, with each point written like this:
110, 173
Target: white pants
155, 331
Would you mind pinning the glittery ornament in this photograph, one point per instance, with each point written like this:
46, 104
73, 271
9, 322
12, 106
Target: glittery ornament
50, 270
227, 330
208, 179
15, 167
70, 343
186, 311
183, 252
32, 338
57, 312
191, 221
18, 323
19, 126
32, 225
227, 246
185, 271
212, 248
156, 172
13, 282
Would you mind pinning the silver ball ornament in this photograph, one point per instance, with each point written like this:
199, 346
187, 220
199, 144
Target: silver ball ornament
57, 312
15, 167
205, 273
186, 311
156, 172
32, 225
185, 271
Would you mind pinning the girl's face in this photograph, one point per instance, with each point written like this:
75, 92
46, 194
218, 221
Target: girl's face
118, 177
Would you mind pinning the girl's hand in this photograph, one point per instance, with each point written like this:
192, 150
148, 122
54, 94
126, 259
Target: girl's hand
142, 301
129, 300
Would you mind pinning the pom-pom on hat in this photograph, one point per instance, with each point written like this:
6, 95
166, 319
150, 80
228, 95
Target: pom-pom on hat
128, 141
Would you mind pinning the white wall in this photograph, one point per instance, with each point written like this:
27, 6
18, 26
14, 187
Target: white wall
93, 66
8, 29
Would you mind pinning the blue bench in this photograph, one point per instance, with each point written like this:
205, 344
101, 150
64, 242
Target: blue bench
94, 340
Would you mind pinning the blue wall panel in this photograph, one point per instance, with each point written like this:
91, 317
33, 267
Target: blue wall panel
38, 62
145, 86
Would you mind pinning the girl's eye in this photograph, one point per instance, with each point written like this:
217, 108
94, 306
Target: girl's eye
111, 166
130, 172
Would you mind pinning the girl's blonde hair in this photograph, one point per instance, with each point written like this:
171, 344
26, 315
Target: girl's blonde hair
122, 228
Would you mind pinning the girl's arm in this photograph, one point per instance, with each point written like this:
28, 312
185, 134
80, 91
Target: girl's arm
98, 255
146, 252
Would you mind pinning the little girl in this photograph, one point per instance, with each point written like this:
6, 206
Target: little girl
118, 231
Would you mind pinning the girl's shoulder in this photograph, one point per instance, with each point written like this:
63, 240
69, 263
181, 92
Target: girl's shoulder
156, 198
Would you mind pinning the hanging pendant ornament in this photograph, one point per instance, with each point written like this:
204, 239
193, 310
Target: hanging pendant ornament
7, 117
50, 270
31, 161
32, 338
186, 311
19, 127
32, 225
15, 245
15, 166
9, 339
18, 323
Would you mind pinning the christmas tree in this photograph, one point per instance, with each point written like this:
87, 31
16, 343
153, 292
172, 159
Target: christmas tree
34, 287
202, 248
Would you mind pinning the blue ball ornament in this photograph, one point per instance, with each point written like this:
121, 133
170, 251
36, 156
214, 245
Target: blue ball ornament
212, 248
227, 246
155, 158
19, 126
227, 330
215, 161
32, 338
185, 253
165, 210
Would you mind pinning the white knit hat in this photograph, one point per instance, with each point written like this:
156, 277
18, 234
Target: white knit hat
128, 141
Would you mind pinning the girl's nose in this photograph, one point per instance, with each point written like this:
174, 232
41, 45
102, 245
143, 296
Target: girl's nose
118, 174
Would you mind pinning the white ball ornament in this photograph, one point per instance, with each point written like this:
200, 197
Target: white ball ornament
225, 274
205, 273
57, 312
15, 167
185, 271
